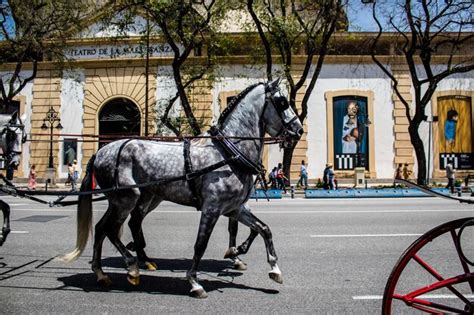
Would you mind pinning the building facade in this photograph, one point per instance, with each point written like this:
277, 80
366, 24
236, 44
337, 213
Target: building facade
108, 90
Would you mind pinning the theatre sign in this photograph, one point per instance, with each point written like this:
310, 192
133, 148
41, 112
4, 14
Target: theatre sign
118, 51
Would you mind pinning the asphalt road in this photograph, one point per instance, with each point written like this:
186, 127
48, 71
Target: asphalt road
335, 256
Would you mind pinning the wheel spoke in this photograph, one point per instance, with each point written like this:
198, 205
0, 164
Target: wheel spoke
419, 299
464, 264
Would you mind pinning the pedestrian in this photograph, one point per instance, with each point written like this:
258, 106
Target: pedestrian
32, 178
406, 172
331, 177
272, 178
75, 171
399, 171
70, 176
281, 178
325, 177
303, 176
450, 175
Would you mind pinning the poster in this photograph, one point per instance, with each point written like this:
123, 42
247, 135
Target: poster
350, 132
455, 131
69, 151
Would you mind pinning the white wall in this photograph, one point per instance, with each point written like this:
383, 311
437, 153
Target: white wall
359, 77
72, 111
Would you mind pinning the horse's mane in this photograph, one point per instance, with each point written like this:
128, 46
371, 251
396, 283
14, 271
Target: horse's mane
233, 103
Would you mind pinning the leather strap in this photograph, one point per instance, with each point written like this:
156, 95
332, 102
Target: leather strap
188, 169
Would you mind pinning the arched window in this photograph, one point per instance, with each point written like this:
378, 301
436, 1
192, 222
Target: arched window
119, 117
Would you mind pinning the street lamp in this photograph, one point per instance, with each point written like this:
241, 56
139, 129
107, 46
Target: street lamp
54, 122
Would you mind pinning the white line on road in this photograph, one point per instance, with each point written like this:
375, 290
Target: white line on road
364, 235
20, 232
425, 296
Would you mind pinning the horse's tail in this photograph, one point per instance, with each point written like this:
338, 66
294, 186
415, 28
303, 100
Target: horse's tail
84, 215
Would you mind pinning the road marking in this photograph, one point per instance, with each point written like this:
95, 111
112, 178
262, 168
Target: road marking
20, 232
425, 296
364, 235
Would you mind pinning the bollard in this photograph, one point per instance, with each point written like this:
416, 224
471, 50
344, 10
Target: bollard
292, 191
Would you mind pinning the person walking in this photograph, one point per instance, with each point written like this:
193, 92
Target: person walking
272, 178
32, 178
331, 177
406, 172
281, 178
303, 176
70, 176
325, 177
399, 171
75, 171
450, 175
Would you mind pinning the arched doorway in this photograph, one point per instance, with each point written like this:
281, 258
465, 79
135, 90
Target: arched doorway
119, 117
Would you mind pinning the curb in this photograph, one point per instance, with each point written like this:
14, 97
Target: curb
346, 193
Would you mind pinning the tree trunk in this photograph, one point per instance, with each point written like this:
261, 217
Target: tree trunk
419, 152
287, 157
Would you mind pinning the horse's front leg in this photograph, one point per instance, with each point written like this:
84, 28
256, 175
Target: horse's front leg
246, 217
231, 252
206, 225
6, 221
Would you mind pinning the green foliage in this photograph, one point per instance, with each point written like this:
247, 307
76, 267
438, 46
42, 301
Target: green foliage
34, 31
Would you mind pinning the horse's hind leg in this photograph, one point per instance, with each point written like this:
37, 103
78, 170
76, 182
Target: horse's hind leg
110, 225
206, 225
232, 250
6, 221
246, 217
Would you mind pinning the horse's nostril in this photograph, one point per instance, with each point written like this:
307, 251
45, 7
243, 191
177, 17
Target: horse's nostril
300, 132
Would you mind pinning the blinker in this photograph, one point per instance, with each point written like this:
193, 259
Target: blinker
281, 104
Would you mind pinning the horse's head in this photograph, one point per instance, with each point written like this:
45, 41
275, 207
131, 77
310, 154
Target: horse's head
280, 119
12, 137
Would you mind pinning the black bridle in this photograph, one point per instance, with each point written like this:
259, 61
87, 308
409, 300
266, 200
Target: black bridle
243, 162
8, 135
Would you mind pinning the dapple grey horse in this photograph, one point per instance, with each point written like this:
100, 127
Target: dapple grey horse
221, 191
12, 136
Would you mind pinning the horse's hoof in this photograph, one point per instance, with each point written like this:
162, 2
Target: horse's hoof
104, 281
240, 265
1, 240
151, 266
276, 277
231, 252
131, 246
133, 280
198, 293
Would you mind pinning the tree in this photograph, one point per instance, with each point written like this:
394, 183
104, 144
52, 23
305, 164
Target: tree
287, 27
188, 27
423, 31
30, 32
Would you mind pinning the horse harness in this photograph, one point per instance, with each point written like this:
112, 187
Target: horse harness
233, 156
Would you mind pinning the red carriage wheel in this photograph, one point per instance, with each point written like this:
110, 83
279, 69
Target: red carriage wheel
416, 284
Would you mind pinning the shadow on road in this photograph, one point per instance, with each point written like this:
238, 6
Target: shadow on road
183, 264
150, 284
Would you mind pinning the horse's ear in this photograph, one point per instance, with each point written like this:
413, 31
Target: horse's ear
14, 117
274, 85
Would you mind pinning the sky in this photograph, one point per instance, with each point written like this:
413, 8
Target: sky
360, 17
